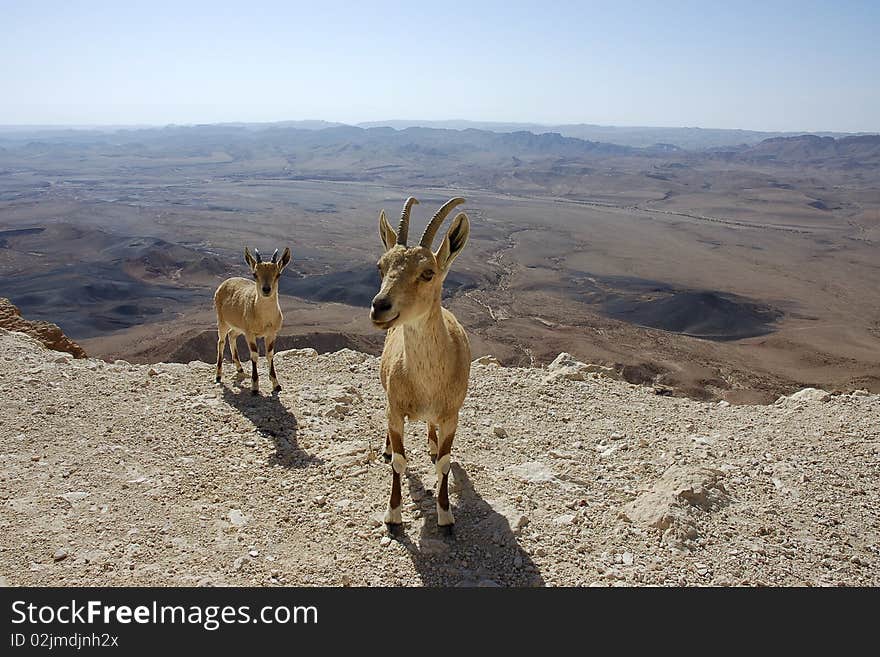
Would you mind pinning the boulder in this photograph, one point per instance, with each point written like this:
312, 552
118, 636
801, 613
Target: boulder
807, 396
677, 489
565, 366
48, 334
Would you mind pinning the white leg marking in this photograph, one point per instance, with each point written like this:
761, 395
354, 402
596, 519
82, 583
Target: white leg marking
443, 465
444, 517
398, 462
393, 516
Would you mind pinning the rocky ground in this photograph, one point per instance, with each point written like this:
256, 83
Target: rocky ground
118, 474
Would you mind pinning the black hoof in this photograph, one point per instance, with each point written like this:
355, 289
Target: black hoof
433, 458
255, 392
217, 380
393, 528
276, 389
447, 530
386, 457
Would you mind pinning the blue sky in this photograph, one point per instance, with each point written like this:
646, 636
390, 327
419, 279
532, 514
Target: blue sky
755, 65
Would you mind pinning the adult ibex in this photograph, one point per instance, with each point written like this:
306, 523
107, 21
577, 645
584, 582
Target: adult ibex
426, 361
251, 307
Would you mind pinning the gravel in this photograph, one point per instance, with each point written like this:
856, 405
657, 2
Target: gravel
154, 475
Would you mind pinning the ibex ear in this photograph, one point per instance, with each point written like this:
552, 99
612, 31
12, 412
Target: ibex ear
285, 260
252, 263
386, 232
453, 243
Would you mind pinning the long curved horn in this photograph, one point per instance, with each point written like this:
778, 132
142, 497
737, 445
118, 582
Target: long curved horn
275, 256
257, 255
403, 228
437, 221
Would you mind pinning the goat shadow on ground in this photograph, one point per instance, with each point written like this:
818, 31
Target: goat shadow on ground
273, 420
482, 536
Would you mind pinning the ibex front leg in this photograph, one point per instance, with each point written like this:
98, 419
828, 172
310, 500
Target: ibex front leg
393, 516
445, 518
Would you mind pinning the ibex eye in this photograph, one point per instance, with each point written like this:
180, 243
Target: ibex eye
427, 275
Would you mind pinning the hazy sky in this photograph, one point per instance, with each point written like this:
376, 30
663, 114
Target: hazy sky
763, 65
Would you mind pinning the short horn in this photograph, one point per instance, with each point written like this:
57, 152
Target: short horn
403, 228
257, 255
437, 221
275, 256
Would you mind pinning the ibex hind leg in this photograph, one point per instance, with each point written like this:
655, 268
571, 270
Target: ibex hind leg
445, 519
255, 353
386, 455
432, 442
270, 356
222, 332
233, 347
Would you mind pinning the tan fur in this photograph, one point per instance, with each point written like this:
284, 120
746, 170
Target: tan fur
244, 308
426, 361
425, 367
239, 307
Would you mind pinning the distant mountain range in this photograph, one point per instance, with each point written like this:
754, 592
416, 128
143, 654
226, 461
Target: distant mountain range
657, 138
311, 148
858, 150
634, 136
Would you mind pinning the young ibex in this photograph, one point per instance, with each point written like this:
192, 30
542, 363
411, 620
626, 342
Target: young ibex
426, 361
251, 308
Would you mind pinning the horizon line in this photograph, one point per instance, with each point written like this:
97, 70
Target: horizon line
378, 123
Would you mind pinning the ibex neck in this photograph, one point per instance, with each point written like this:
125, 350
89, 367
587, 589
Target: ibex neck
423, 338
